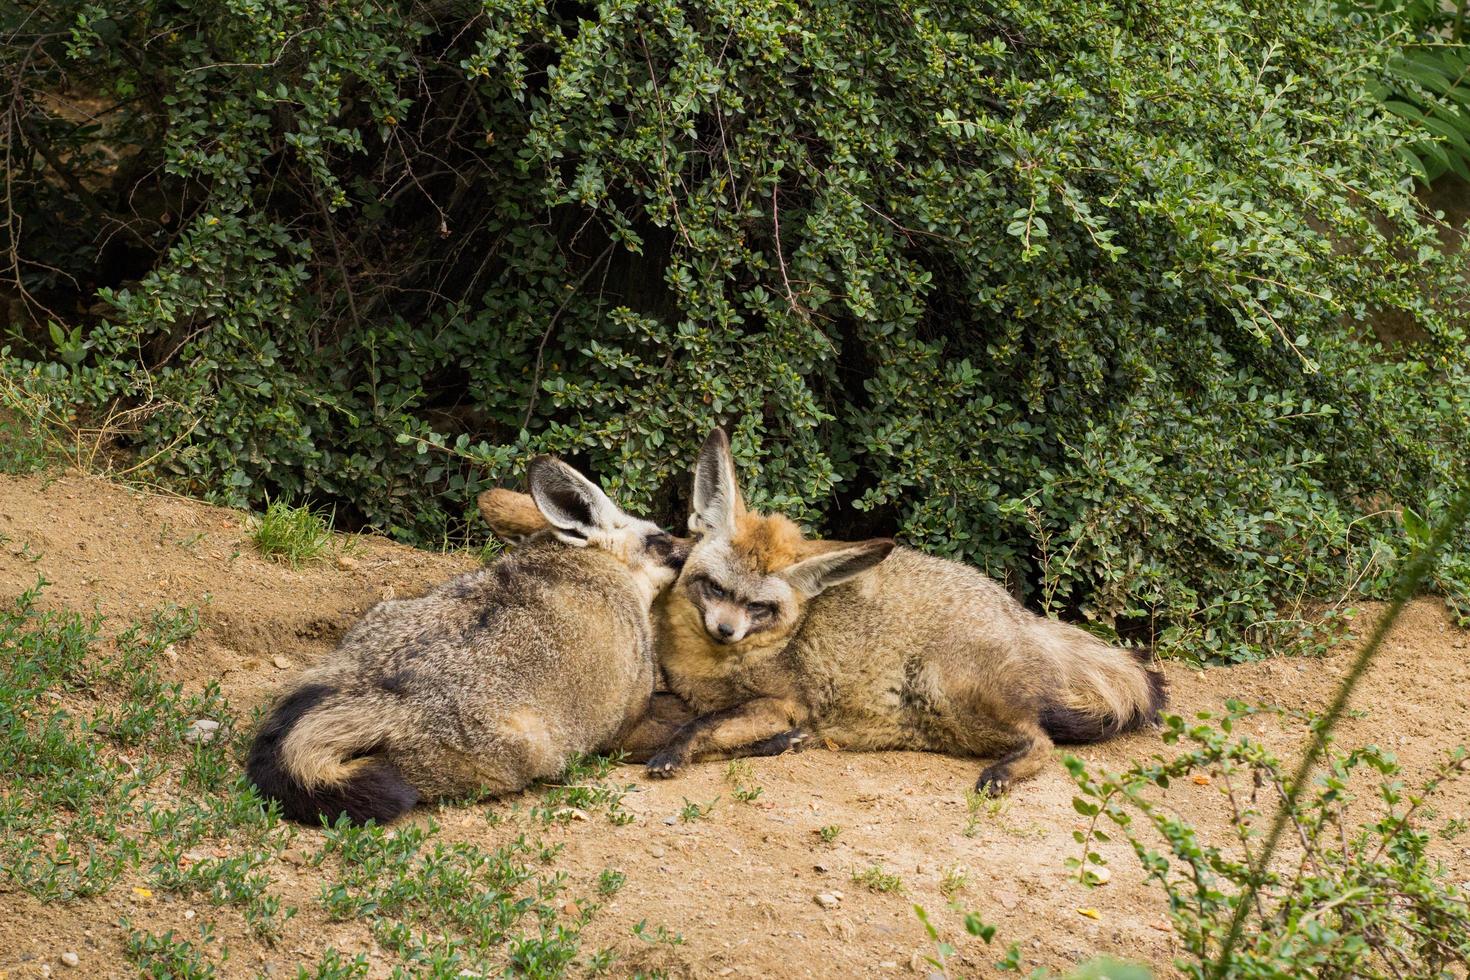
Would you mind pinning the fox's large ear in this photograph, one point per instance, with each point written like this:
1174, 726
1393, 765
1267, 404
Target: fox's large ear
717, 500
837, 563
575, 507
513, 517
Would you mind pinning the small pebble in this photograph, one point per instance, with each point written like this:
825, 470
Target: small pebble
281, 663
829, 900
671, 820
202, 730
656, 851
70, 958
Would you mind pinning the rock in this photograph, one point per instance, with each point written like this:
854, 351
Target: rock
189, 914
281, 663
821, 868
656, 851
671, 820
829, 900
71, 959
201, 730
1008, 899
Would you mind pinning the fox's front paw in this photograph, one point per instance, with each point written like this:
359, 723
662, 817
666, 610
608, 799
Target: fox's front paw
666, 763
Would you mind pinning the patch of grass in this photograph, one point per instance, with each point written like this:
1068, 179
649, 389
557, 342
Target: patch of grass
163, 957
692, 811
610, 882
878, 880
829, 833
741, 776
658, 936
982, 806
601, 962
335, 966
581, 791
953, 880
291, 534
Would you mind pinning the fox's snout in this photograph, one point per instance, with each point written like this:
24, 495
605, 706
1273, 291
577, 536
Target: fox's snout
726, 623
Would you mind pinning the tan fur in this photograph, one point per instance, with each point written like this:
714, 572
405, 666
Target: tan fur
769, 543
512, 516
914, 652
493, 679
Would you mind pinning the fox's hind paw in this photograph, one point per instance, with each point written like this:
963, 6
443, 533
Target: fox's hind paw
994, 781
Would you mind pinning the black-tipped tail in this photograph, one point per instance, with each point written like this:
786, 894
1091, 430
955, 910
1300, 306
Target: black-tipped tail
1071, 726
375, 791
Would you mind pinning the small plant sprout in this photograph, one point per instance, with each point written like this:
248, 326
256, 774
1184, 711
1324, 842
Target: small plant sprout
740, 775
981, 806
693, 811
952, 881
876, 879
829, 833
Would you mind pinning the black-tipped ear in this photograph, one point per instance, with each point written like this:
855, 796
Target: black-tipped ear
717, 500
573, 505
812, 576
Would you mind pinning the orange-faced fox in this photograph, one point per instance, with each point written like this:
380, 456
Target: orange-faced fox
491, 680
872, 646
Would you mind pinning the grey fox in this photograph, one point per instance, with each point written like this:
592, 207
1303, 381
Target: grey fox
490, 680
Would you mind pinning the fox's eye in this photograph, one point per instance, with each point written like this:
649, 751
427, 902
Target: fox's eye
761, 610
714, 590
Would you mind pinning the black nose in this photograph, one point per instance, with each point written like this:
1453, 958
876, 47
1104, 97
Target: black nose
726, 630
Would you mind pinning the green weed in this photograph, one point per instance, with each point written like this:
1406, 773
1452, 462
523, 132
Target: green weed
291, 534
692, 811
877, 880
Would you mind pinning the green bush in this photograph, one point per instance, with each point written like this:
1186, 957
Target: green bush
1083, 292
1366, 896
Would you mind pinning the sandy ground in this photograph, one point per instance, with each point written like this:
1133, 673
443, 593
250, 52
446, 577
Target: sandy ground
741, 885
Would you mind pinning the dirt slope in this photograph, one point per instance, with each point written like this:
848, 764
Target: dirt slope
741, 885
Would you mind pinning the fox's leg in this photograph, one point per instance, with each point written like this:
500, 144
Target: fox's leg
1026, 749
756, 727
787, 741
666, 714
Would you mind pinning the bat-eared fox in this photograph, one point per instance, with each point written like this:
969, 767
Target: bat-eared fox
871, 646
489, 681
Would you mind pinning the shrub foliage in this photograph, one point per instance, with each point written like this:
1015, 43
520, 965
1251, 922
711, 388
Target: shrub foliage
1088, 293
1368, 896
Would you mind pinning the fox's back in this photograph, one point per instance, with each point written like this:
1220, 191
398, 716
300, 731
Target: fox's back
884, 650
561, 632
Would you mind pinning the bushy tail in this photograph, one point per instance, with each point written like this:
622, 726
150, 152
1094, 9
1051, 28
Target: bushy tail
315, 755
1103, 691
